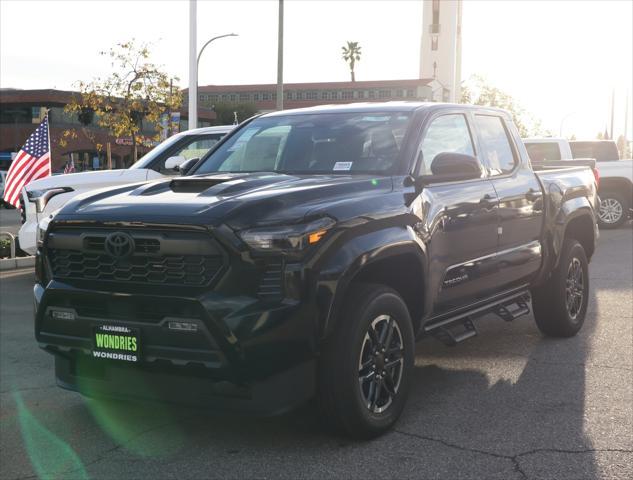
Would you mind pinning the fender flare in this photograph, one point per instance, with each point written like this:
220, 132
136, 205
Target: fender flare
334, 279
567, 211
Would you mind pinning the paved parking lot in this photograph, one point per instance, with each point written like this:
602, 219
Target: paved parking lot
507, 404
10, 220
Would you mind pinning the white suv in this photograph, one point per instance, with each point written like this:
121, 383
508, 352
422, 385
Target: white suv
41, 198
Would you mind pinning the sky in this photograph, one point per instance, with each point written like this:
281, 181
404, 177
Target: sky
560, 59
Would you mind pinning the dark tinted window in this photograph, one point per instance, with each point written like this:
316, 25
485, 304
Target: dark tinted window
495, 144
446, 134
601, 150
540, 152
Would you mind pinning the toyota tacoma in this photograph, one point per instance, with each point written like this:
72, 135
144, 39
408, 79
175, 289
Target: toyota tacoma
304, 255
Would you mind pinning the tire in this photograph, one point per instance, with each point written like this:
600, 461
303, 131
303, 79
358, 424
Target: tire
559, 311
346, 403
613, 210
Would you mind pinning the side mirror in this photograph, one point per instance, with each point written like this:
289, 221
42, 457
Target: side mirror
188, 165
173, 163
455, 166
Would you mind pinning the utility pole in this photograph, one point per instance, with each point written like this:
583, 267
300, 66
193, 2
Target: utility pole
280, 58
193, 67
626, 118
612, 110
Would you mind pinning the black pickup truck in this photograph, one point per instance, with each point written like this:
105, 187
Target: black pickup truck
304, 255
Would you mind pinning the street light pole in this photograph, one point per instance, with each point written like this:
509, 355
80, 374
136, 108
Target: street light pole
198, 63
193, 66
560, 130
280, 57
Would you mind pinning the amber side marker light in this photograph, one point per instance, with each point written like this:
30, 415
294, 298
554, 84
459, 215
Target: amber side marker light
314, 237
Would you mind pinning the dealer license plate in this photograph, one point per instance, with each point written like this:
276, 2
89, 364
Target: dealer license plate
116, 342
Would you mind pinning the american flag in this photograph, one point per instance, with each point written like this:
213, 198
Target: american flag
32, 162
70, 166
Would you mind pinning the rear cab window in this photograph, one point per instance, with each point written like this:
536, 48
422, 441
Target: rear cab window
542, 152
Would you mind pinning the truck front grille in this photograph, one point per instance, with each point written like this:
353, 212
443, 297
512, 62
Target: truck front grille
168, 258
185, 270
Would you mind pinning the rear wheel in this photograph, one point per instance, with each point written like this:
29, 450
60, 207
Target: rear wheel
365, 369
613, 210
560, 305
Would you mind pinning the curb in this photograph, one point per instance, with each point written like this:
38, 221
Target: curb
15, 263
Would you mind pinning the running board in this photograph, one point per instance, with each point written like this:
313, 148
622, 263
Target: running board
513, 310
457, 328
451, 335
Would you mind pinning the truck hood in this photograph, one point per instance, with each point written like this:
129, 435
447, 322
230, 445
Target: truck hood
90, 180
239, 200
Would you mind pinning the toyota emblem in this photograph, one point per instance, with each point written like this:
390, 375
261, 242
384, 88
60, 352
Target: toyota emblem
119, 245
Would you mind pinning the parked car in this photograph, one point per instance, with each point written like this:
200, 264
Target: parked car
3, 179
616, 193
616, 176
306, 253
44, 196
3, 176
616, 184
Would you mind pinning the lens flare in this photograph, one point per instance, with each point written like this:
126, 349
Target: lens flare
51, 457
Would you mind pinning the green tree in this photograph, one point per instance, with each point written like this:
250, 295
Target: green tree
624, 147
351, 55
226, 112
478, 91
136, 90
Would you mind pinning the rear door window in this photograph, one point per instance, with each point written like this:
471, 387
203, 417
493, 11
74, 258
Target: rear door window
495, 144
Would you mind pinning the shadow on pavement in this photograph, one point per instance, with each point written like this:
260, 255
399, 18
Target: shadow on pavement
506, 404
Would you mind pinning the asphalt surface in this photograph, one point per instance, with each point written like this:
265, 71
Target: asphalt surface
508, 404
10, 220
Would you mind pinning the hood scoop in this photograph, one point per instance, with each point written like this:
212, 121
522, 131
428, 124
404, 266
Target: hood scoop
199, 184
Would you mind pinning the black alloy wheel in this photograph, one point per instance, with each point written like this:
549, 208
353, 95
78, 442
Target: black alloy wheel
560, 304
574, 289
366, 364
381, 364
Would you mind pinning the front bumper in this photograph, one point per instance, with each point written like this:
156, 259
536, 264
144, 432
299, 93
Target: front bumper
246, 354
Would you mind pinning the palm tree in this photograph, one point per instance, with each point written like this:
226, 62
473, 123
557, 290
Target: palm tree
351, 54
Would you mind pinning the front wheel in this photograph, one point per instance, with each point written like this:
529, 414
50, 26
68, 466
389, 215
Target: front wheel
560, 305
365, 369
613, 210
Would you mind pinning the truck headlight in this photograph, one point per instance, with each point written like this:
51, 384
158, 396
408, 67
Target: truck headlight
41, 197
287, 238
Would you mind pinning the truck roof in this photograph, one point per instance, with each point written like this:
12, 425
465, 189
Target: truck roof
403, 106
204, 130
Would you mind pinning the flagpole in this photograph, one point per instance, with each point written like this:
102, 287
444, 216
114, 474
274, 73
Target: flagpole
50, 151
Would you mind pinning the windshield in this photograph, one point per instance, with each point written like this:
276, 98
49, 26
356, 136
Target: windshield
313, 143
149, 157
